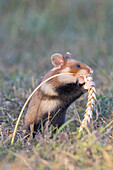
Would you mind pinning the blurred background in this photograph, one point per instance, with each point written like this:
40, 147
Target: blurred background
31, 31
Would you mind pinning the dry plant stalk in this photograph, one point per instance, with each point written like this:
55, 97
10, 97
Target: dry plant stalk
89, 107
15, 129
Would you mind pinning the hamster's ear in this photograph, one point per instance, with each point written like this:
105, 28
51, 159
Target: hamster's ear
69, 55
57, 60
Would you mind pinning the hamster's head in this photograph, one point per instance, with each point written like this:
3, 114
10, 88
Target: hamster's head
70, 65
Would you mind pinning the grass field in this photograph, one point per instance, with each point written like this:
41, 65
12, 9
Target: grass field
30, 32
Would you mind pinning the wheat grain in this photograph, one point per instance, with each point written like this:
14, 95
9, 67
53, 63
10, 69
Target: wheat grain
90, 105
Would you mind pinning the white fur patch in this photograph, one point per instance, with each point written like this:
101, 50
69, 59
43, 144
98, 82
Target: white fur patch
68, 78
49, 105
48, 89
82, 72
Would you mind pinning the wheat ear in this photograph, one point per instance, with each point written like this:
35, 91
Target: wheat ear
90, 105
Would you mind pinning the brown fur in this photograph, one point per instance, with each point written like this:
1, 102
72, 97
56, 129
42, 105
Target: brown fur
47, 99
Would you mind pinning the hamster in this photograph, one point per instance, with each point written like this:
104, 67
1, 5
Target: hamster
56, 95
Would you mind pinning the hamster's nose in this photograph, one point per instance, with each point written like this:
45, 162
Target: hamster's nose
91, 71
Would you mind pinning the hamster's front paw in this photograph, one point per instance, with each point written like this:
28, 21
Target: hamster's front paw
81, 80
88, 85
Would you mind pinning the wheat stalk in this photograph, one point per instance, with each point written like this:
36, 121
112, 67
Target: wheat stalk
90, 105
15, 129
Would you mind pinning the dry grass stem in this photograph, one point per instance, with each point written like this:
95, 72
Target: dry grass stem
14, 133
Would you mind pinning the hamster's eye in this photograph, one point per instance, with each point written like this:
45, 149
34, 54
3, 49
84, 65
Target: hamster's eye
78, 65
